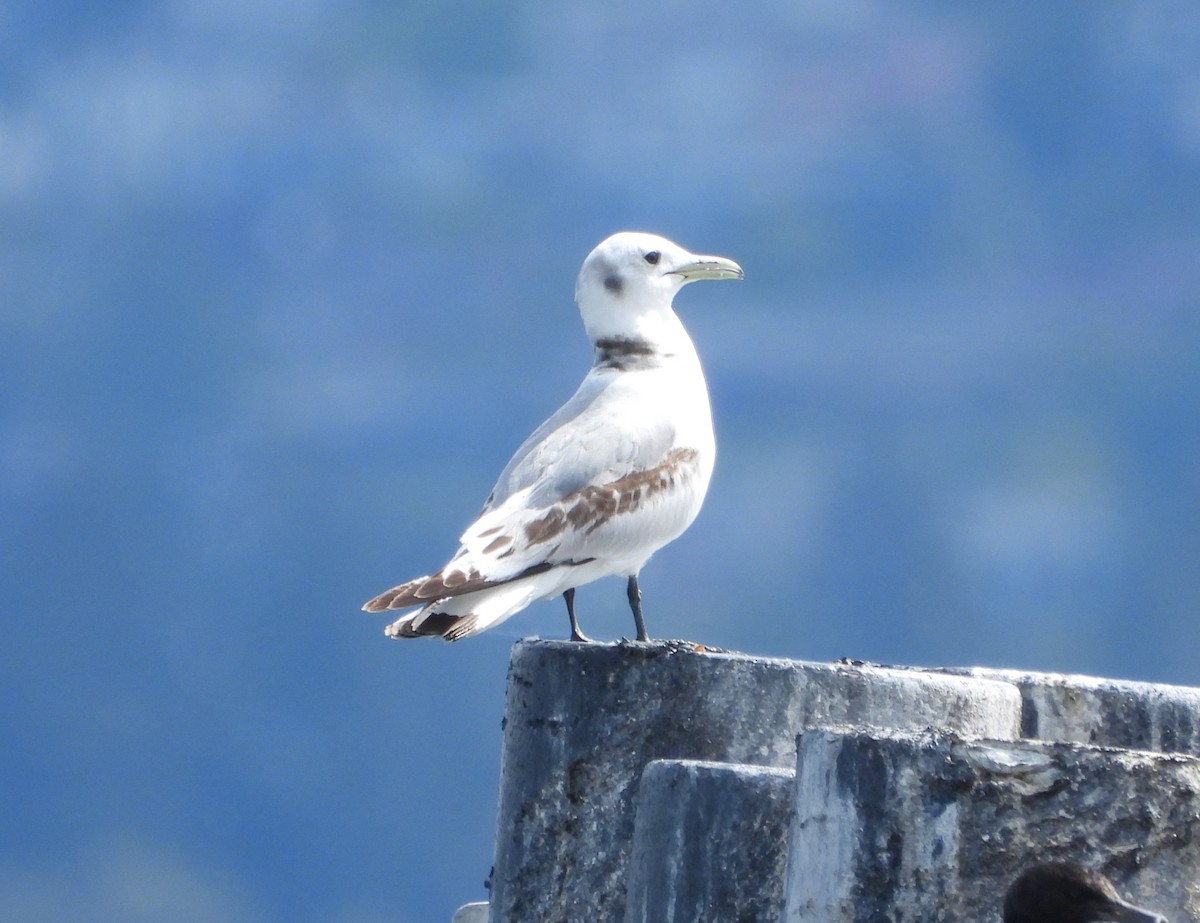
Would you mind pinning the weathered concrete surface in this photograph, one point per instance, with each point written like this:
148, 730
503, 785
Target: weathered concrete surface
1104, 712
922, 828
583, 720
709, 843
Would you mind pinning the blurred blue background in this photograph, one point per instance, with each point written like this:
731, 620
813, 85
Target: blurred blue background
282, 285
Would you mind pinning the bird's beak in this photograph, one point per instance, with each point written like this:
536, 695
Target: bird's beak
1123, 912
708, 267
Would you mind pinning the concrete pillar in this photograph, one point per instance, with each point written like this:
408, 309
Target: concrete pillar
709, 843
583, 720
1104, 712
928, 827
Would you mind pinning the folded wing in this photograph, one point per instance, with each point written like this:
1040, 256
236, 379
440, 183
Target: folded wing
588, 484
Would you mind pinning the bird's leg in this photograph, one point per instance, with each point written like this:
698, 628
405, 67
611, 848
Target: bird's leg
576, 634
635, 603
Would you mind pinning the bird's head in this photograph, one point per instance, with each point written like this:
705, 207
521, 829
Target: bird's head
631, 277
1065, 892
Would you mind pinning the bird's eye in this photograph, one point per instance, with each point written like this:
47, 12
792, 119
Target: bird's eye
653, 257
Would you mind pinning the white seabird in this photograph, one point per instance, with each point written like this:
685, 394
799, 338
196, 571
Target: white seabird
619, 471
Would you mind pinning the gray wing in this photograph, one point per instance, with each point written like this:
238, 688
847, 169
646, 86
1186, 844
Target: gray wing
579, 487
603, 441
598, 436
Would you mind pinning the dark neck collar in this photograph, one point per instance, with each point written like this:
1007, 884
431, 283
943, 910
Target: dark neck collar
625, 353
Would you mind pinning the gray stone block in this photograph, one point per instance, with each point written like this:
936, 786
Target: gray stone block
709, 843
583, 720
1104, 712
924, 828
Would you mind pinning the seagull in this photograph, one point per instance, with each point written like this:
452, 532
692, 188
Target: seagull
620, 470
1063, 892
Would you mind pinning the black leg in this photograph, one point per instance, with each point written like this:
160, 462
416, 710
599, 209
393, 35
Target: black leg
576, 634
635, 603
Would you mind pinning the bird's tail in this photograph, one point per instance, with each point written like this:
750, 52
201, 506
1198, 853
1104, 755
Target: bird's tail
449, 581
458, 617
